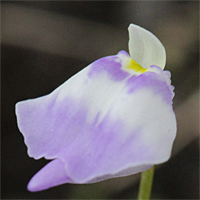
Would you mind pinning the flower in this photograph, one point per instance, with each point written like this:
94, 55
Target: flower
113, 118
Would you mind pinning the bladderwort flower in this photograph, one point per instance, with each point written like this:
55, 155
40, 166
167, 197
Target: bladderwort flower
113, 118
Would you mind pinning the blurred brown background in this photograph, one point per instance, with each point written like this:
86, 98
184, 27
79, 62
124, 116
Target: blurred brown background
44, 43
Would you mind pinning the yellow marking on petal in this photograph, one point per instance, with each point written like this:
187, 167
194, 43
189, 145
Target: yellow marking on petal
135, 66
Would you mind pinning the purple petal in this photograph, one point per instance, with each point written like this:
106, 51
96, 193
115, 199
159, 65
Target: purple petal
106, 121
112, 67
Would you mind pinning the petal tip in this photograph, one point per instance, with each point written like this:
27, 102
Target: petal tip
33, 186
145, 48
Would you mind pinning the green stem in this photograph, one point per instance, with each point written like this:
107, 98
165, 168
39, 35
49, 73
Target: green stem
146, 184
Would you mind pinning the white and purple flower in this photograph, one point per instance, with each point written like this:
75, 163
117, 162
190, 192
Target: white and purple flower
113, 118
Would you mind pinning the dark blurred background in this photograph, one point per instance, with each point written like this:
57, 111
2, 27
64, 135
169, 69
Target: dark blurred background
44, 43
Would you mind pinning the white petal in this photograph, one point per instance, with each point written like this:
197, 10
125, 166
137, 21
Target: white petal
145, 48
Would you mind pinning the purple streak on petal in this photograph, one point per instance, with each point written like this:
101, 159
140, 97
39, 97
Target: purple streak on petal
51, 175
44, 125
101, 150
65, 134
111, 66
159, 83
